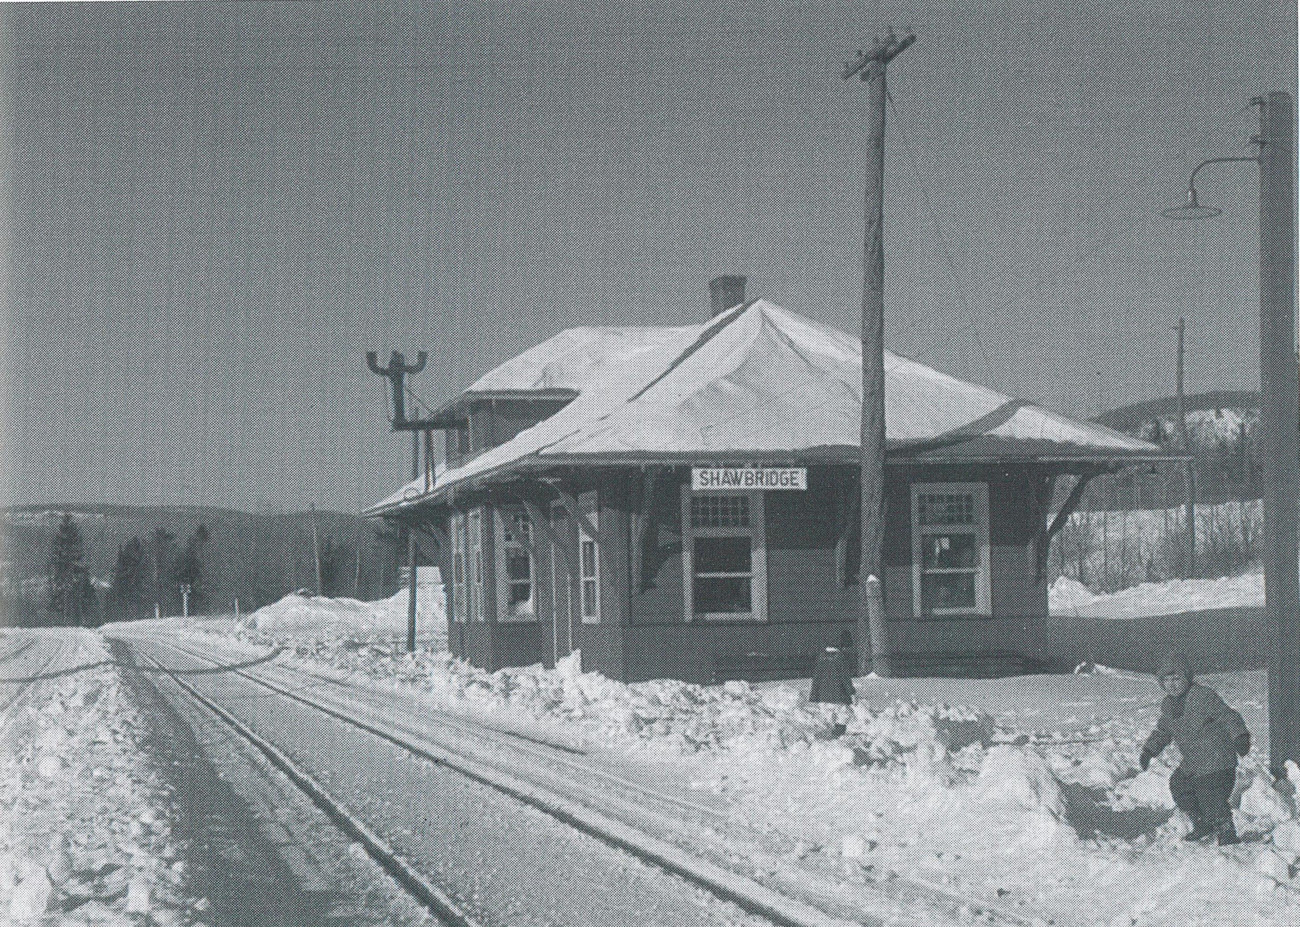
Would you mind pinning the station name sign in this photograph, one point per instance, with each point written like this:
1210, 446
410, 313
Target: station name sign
704, 479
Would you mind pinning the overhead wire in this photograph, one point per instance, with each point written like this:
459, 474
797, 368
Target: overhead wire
972, 323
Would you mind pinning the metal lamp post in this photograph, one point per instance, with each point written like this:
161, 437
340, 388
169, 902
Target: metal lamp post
1279, 383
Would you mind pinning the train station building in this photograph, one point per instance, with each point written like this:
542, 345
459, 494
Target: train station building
682, 502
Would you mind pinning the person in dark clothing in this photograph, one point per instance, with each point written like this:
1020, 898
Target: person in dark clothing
1210, 736
832, 681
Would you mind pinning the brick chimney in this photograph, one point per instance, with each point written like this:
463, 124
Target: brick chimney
726, 292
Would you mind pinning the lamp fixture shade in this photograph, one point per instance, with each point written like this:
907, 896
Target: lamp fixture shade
1193, 209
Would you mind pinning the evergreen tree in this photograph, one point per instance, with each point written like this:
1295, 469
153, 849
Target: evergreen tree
336, 558
189, 568
72, 598
127, 594
162, 550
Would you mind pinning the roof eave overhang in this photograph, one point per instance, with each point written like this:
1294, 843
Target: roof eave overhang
1091, 460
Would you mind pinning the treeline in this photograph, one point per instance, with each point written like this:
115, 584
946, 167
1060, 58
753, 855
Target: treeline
119, 563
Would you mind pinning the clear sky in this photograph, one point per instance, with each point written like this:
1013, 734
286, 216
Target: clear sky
211, 211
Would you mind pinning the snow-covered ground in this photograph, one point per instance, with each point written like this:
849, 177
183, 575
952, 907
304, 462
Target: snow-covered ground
84, 830
1022, 790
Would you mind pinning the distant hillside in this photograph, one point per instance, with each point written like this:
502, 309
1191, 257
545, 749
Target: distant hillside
1132, 419
256, 558
1223, 440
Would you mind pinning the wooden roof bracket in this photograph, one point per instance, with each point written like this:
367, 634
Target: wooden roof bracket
570, 503
537, 517
1046, 533
846, 518
644, 501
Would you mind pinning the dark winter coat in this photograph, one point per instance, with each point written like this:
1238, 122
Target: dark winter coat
1203, 726
832, 679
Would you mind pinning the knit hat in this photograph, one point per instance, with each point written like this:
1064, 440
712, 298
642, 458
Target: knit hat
1176, 664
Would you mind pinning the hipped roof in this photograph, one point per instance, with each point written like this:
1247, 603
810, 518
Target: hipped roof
756, 384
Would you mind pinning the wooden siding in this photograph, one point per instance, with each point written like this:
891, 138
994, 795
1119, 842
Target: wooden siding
642, 634
689, 651
603, 650
801, 580
521, 643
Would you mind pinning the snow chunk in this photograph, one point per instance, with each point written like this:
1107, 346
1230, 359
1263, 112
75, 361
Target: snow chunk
1263, 800
1022, 779
1286, 838
31, 897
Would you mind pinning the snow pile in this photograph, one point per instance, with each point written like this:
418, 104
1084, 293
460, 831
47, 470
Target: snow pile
84, 832
319, 617
1068, 596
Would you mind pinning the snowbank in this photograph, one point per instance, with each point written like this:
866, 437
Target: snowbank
84, 830
315, 616
1070, 597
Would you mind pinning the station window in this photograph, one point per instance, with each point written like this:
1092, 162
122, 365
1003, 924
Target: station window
458, 594
589, 561
475, 545
950, 549
515, 569
724, 556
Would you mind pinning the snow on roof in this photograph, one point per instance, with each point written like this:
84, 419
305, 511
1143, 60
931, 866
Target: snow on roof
756, 381
578, 356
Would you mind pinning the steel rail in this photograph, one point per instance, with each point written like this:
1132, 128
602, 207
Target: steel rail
914, 892
724, 884
438, 902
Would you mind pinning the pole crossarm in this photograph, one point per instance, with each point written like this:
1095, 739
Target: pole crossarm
885, 50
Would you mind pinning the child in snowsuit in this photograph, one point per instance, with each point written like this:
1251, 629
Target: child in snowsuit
1210, 736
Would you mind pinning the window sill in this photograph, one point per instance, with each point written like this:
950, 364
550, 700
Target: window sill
727, 617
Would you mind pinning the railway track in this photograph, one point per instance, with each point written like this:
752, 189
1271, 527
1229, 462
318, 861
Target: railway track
25, 684
16, 651
550, 763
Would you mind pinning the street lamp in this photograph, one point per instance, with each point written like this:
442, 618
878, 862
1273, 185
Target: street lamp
1279, 387
1193, 209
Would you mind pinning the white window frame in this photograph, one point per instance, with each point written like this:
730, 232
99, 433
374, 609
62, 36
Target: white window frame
459, 592
757, 534
587, 504
504, 598
475, 564
980, 530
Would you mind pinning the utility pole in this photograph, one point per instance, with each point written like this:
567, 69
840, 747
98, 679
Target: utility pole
412, 589
1189, 469
1279, 383
871, 67
315, 545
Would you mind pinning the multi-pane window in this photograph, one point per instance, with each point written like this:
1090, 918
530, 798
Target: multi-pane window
458, 596
589, 561
515, 568
723, 555
950, 549
476, 566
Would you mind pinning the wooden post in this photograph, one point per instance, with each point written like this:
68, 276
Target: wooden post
412, 585
871, 67
1279, 423
315, 546
1189, 467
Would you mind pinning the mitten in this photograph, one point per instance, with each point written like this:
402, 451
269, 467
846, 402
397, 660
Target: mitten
1242, 744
